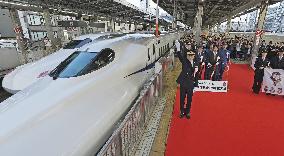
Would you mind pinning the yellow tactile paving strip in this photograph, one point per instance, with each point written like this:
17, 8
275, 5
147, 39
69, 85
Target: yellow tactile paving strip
159, 145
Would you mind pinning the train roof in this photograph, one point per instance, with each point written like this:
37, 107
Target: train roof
92, 36
142, 39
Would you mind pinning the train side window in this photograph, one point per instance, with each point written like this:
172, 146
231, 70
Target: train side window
105, 57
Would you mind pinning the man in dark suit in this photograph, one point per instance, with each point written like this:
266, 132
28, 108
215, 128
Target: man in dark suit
270, 48
210, 62
260, 63
277, 62
223, 54
186, 80
199, 59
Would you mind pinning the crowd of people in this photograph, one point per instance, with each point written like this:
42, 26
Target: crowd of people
209, 60
271, 56
212, 55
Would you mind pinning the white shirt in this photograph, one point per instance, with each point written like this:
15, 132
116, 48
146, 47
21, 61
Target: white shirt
177, 45
238, 47
192, 63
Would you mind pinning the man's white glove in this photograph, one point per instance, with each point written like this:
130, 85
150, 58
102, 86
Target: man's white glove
217, 63
209, 65
261, 68
203, 63
195, 70
218, 58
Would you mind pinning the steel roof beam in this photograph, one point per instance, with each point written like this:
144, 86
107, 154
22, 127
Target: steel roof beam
236, 13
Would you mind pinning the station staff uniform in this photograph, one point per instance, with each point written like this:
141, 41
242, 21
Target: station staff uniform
210, 62
186, 80
199, 59
223, 54
260, 63
277, 62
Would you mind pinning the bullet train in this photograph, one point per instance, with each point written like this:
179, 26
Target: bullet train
74, 109
27, 74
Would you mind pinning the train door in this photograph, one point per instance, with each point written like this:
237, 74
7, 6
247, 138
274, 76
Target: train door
154, 53
149, 59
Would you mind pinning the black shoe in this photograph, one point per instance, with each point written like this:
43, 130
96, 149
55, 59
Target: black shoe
255, 92
188, 115
268, 94
181, 115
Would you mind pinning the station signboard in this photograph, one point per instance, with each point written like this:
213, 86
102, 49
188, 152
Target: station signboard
72, 24
97, 25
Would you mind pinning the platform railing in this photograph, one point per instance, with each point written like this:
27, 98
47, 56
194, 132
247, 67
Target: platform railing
128, 135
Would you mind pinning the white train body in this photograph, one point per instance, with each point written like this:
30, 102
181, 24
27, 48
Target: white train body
25, 75
63, 115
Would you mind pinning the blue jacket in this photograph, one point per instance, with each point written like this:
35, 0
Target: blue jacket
223, 54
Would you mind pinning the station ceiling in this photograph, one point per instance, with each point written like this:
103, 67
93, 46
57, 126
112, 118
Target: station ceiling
107, 8
214, 11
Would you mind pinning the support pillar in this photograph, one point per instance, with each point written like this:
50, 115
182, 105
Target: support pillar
48, 25
112, 24
60, 33
198, 24
260, 26
135, 26
84, 30
22, 49
229, 26
174, 24
219, 28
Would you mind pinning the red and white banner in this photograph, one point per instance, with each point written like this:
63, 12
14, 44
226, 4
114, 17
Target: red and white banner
273, 81
258, 33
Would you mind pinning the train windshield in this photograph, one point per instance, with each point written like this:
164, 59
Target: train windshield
81, 63
73, 65
76, 43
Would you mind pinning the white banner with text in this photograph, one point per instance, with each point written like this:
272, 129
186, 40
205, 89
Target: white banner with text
212, 86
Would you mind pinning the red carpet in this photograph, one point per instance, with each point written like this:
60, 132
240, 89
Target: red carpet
237, 123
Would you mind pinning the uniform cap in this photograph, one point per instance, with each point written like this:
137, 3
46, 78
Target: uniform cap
190, 53
263, 50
